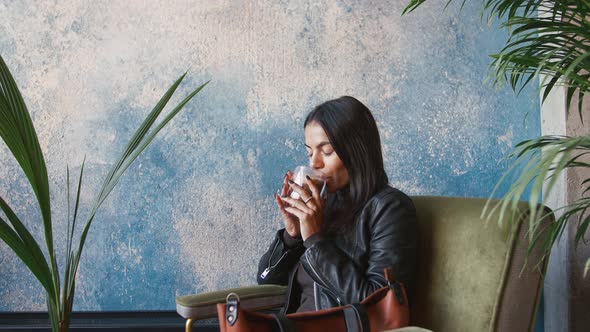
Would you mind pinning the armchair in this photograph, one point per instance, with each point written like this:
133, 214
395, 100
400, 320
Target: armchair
471, 275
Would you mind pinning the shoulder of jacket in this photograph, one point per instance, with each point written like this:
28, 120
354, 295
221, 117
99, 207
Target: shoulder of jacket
389, 195
387, 202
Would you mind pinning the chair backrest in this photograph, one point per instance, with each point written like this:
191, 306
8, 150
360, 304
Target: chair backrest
471, 275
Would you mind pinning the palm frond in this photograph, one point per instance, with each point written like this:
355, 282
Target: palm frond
546, 37
140, 140
413, 5
537, 165
11, 238
559, 49
69, 281
53, 312
17, 131
24, 245
549, 38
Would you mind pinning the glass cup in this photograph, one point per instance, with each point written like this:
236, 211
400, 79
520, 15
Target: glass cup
299, 177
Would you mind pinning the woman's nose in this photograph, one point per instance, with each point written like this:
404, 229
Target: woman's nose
315, 161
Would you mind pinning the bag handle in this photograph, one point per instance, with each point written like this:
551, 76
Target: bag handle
284, 323
232, 303
356, 318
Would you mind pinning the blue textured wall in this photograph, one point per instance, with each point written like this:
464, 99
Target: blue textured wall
196, 210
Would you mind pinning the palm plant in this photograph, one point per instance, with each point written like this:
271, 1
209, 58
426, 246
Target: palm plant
17, 131
548, 39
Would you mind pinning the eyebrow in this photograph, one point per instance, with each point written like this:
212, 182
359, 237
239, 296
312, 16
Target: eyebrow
319, 145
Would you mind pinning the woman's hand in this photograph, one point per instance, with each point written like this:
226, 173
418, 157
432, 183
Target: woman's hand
308, 209
291, 221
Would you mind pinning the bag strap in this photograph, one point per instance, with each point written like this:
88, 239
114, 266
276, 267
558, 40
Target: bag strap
388, 274
356, 318
394, 285
284, 324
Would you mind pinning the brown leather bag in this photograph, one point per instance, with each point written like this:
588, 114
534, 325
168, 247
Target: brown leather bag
385, 309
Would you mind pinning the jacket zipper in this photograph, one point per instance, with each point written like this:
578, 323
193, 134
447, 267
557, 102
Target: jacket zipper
316, 298
270, 266
322, 281
290, 288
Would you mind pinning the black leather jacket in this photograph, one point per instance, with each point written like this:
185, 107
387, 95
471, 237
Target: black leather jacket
349, 267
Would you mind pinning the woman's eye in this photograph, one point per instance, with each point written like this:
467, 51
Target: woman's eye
327, 153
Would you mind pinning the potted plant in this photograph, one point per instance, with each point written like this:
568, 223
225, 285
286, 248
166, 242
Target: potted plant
18, 133
549, 39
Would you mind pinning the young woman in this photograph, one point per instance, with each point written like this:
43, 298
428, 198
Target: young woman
333, 251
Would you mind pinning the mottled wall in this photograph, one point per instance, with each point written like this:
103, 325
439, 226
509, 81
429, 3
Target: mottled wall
196, 210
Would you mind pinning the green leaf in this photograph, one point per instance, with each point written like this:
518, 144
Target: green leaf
412, 6
25, 247
550, 38
136, 138
53, 312
70, 266
76, 206
19, 135
544, 158
140, 140
583, 223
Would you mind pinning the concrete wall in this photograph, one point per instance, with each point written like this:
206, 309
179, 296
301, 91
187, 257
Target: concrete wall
579, 286
567, 291
196, 210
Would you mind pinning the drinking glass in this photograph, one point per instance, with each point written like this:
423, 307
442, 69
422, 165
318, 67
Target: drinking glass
299, 177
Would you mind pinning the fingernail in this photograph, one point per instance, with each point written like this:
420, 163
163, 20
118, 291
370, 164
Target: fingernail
291, 181
283, 196
307, 177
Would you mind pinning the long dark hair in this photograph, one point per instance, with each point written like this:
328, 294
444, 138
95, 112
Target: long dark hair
353, 133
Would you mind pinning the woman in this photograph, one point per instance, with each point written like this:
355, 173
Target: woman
333, 251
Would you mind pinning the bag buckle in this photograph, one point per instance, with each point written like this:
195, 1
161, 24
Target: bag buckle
232, 301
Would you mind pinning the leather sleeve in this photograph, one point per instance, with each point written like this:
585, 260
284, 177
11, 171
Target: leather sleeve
279, 259
387, 227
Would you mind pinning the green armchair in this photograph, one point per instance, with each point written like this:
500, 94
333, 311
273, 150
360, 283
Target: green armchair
471, 275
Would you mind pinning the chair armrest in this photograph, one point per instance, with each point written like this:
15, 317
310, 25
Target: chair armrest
259, 297
410, 329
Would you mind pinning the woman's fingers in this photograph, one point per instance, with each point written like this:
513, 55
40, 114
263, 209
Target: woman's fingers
312, 200
308, 209
286, 187
298, 189
296, 212
309, 222
296, 203
303, 193
280, 202
283, 207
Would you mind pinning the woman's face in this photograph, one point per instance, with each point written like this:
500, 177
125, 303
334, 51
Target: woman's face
323, 158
